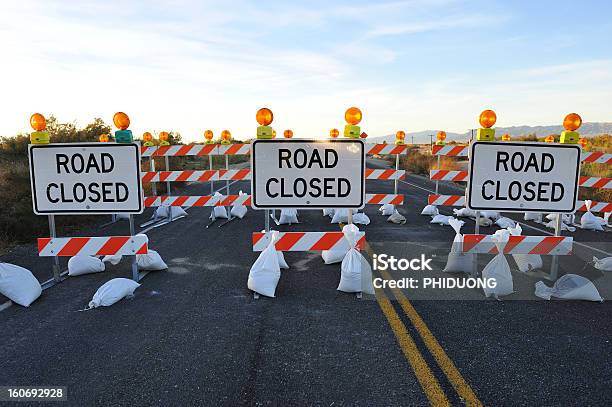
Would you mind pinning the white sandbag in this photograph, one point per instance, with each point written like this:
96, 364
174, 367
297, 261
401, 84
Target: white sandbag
553, 224
288, 216
78, 265
282, 263
504, 222
498, 269
464, 213
533, 216
265, 272
328, 212
568, 218
490, 214
333, 256
112, 291
239, 211
525, 262
361, 218
588, 220
606, 219
485, 222
341, 215
397, 218
569, 287
219, 212
122, 216
19, 284
151, 261
355, 271
604, 264
441, 219
164, 211
112, 259
386, 209
457, 261
430, 210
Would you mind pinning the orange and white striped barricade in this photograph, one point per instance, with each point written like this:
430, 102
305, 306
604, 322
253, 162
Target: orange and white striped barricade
305, 241
542, 245
387, 149
93, 246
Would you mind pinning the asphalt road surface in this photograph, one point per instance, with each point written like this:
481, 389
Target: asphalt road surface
194, 334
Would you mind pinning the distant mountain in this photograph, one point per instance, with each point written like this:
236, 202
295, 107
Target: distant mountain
422, 137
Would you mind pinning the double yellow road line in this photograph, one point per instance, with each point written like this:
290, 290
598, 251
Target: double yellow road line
429, 383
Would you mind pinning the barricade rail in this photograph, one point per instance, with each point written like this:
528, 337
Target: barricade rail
92, 246
305, 241
243, 174
233, 200
546, 245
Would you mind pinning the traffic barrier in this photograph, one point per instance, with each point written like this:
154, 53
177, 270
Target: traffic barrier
546, 245
462, 151
231, 200
459, 200
93, 246
305, 241
462, 176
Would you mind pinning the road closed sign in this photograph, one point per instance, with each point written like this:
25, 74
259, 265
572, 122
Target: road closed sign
521, 177
308, 174
85, 178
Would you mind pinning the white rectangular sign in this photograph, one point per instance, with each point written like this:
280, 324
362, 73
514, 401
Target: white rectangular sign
85, 178
519, 177
310, 174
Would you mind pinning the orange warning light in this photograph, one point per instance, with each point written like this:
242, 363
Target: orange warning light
288, 134
38, 122
353, 115
226, 135
333, 133
208, 135
121, 120
583, 142
146, 136
441, 136
264, 116
400, 135
506, 137
103, 138
487, 118
163, 136
572, 122
550, 139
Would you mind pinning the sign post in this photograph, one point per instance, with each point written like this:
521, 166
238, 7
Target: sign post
308, 174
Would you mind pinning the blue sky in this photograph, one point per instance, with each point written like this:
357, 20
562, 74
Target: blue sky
413, 65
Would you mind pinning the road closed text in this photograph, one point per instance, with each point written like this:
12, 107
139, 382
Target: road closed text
523, 177
86, 178
307, 174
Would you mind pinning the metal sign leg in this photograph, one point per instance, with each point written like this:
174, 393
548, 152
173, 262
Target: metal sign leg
396, 169
152, 169
56, 265
212, 183
135, 275
437, 180
554, 266
168, 192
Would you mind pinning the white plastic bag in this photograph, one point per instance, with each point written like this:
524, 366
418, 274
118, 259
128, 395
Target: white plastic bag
78, 265
397, 218
265, 272
151, 261
590, 221
18, 284
122, 216
112, 259
333, 256
604, 264
568, 218
441, 219
490, 214
355, 271
288, 216
112, 291
464, 213
341, 215
525, 262
219, 212
569, 287
239, 210
533, 216
458, 262
282, 263
553, 224
504, 222
164, 211
361, 218
498, 269
430, 210
328, 212
485, 222
386, 209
